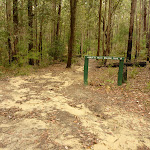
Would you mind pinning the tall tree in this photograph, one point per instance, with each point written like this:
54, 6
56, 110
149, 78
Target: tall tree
58, 20
145, 14
30, 24
109, 29
54, 20
15, 24
129, 49
148, 35
73, 5
8, 13
99, 27
41, 32
57, 30
36, 26
136, 48
139, 36
104, 28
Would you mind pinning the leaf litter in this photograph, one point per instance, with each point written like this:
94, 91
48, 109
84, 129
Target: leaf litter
52, 109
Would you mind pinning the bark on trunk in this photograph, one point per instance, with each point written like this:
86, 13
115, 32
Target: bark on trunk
129, 49
54, 21
145, 14
73, 5
99, 27
15, 24
30, 24
8, 13
57, 30
41, 39
108, 30
139, 39
104, 28
148, 35
136, 48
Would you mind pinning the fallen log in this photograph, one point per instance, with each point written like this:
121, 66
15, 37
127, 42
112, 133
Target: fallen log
138, 64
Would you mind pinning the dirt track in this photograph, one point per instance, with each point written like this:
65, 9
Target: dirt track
53, 110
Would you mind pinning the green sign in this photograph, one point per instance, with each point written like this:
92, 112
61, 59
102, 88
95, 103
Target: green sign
120, 72
105, 57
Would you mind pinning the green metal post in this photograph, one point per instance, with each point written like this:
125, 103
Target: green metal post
120, 73
86, 61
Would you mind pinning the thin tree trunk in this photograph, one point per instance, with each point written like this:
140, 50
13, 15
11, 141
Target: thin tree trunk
15, 23
30, 23
145, 14
139, 39
108, 30
57, 30
148, 53
8, 13
99, 27
41, 34
81, 50
40, 39
58, 21
104, 28
73, 5
129, 49
136, 48
54, 20
148, 35
36, 29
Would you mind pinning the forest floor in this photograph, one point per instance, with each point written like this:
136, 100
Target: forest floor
51, 109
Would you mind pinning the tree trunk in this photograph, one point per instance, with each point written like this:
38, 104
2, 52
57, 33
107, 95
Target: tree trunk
57, 30
36, 29
99, 27
136, 48
73, 5
139, 39
129, 49
40, 39
54, 20
30, 24
148, 54
15, 24
108, 30
148, 35
8, 13
145, 14
58, 20
104, 28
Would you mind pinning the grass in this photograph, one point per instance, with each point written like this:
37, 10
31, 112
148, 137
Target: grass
132, 74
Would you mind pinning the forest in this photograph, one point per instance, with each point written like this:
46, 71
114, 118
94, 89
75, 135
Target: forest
54, 92
38, 32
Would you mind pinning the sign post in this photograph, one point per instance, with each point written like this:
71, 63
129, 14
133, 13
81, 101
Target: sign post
120, 72
86, 62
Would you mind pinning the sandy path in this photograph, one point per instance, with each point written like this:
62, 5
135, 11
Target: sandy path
36, 113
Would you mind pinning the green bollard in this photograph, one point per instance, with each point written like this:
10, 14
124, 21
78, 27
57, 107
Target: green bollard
120, 73
86, 70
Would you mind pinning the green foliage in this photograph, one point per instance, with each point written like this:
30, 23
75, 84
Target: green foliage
110, 81
57, 49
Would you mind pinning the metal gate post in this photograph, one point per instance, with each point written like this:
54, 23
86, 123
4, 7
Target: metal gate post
120, 73
86, 61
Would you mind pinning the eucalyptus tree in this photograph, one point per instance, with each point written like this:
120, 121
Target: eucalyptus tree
132, 14
99, 27
30, 30
148, 34
8, 14
15, 33
73, 5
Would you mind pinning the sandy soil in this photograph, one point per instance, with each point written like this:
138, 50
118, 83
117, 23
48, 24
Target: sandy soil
53, 110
